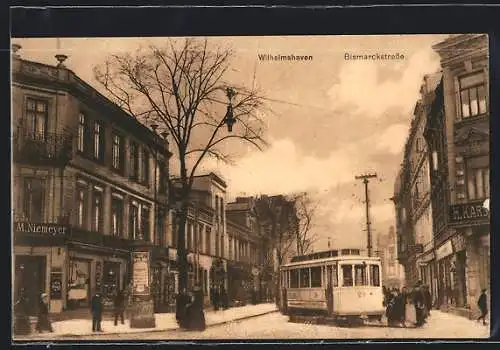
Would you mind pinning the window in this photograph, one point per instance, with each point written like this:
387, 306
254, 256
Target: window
304, 278
162, 180
347, 275
175, 232
189, 234
36, 118
82, 132
34, 199
217, 243
134, 161
435, 164
208, 237
230, 239
98, 141
473, 95
222, 245
160, 225
144, 167
360, 275
199, 238
134, 221
145, 223
294, 278
374, 275
97, 214
81, 198
478, 183
117, 217
117, 161
316, 277
335, 276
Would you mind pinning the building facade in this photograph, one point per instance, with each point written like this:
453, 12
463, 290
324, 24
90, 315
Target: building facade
463, 246
246, 256
206, 238
413, 194
86, 183
392, 270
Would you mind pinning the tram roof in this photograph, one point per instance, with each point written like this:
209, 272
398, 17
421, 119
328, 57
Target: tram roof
333, 258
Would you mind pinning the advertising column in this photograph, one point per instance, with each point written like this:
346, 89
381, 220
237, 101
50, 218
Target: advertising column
142, 310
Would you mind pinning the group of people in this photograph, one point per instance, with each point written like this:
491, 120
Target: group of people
189, 313
408, 306
22, 324
119, 306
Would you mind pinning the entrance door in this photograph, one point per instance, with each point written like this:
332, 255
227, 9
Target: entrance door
30, 279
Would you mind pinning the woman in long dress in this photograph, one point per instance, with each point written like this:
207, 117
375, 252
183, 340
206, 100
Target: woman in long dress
195, 312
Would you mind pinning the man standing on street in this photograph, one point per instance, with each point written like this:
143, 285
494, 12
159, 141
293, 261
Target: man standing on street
482, 303
119, 306
96, 308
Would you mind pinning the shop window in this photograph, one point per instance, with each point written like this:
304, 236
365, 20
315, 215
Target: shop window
304, 278
294, 278
374, 275
316, 277
34, 199
347, 276
78, 283
360, 275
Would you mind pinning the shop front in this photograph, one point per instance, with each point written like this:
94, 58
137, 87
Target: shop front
444, 255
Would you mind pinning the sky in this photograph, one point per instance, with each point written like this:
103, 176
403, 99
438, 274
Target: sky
328, 119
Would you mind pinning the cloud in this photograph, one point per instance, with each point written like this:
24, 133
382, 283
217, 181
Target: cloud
283, 168
359, 85
392, 139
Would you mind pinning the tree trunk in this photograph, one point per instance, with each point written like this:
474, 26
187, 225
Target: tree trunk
181, 247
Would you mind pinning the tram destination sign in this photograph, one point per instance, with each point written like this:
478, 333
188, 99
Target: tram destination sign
42, 229
463, 213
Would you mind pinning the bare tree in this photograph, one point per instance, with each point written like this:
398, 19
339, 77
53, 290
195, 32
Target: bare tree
277, 219
181, 88
305, 210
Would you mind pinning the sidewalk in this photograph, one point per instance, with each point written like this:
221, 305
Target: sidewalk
164, 322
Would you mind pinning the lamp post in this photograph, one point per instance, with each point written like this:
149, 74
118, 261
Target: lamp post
229, 119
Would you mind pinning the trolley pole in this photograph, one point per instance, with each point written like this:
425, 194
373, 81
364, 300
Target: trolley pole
366, 180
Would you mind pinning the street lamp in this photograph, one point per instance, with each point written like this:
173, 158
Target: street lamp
229, 119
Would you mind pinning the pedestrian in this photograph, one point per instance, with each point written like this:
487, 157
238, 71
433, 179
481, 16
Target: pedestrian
419, 302
224, 298
400, 305
390, 310
22, 324
410, 311
119, 306
428, 300
182, 308
96, 308
43, 323
195, 312
482, 303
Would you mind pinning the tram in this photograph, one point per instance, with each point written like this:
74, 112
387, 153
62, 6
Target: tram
337, 284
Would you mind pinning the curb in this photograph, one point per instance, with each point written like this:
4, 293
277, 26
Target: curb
178, 329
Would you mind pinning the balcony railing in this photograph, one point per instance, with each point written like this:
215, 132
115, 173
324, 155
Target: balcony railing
35, 148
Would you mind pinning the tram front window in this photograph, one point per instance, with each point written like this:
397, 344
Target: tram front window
294, 278
304, 278
374, 275
360, 275
316, 277
347, 275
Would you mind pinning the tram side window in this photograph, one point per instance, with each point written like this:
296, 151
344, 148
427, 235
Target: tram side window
335, 276
304, 278
316, 277
347, 275
360, 275
294, 278
374, 275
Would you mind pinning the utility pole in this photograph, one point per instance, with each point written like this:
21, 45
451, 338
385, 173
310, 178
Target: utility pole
366, 180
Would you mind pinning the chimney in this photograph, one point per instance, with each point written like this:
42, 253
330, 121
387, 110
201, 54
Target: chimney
15, 49
61, 58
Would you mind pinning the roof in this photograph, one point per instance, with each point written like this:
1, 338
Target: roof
41, 73
335, 258
237, 206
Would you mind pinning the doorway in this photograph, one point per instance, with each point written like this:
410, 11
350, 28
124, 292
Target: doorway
30, 279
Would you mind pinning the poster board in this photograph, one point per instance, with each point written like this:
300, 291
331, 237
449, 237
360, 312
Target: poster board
140, 273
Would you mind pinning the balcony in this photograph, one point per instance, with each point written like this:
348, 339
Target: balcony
42, 149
